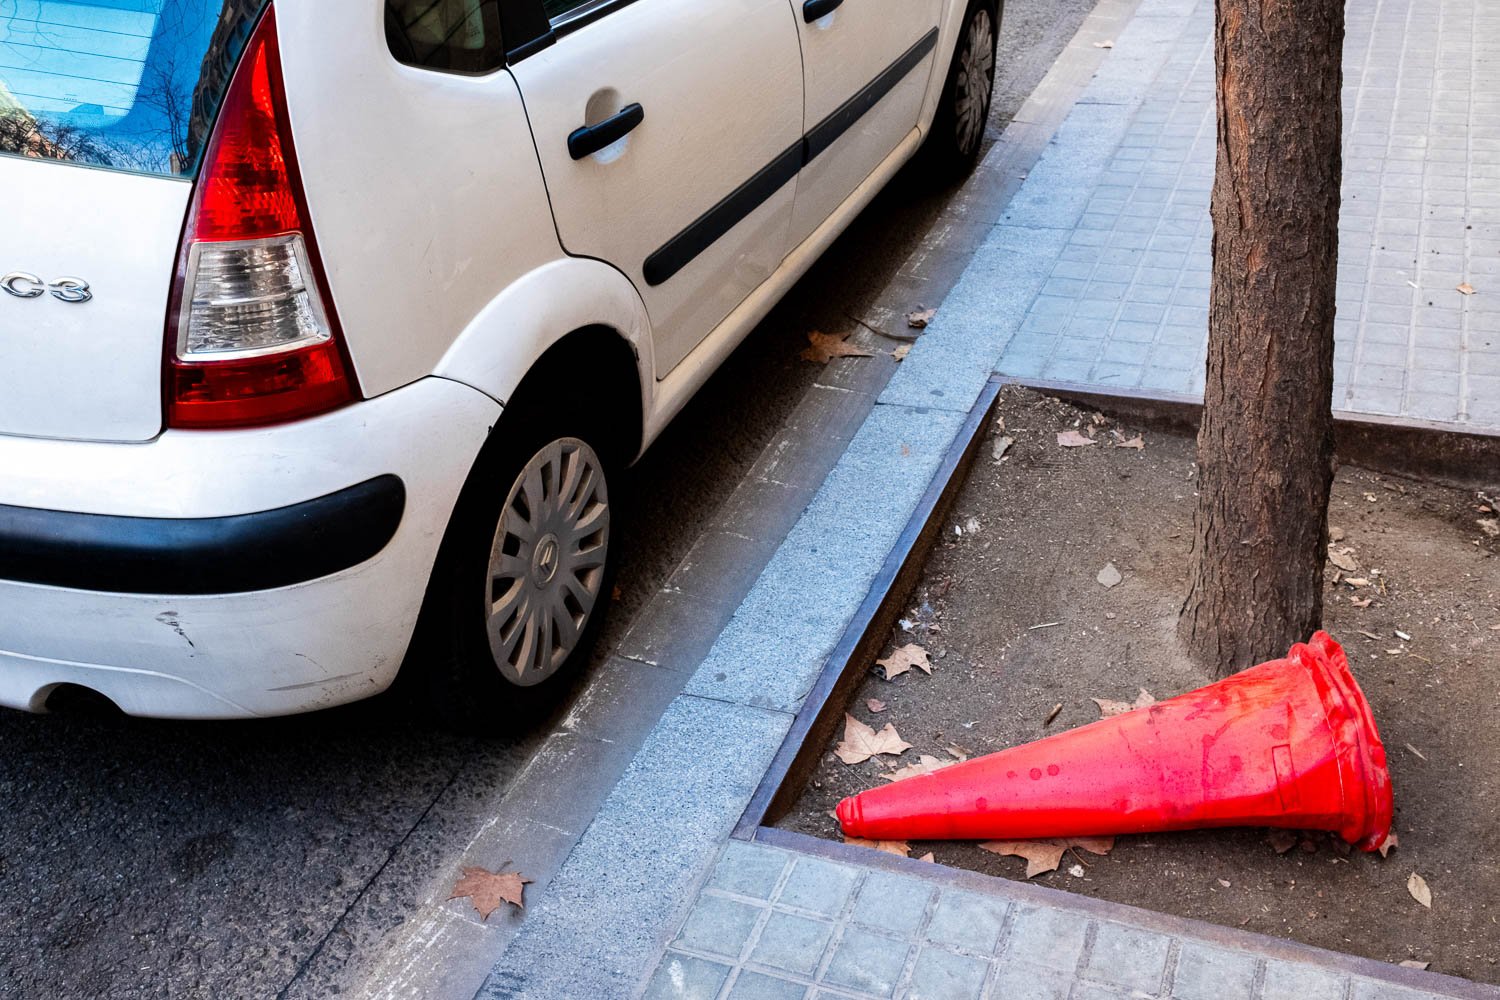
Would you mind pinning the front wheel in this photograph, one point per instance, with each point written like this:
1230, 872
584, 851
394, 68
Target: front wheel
952, 147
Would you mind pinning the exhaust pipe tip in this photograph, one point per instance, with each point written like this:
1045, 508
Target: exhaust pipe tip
79, 701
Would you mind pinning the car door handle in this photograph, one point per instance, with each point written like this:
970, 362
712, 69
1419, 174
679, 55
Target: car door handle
589, 139
814, 9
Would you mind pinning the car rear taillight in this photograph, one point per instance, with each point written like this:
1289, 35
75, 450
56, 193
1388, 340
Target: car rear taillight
252, 337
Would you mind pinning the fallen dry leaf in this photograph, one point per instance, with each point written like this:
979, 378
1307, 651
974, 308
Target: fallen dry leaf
1361, 602
875, 705
1466, 288
900, 848
1121, 441
928, 858
1045, 855
1343, 558
487, 889
918, 320
1335, 534
1417, 886
1109, 577
1282, 840
1391, 843
1109, 709
1412, 963
1001, 446
903, 659
1073, 439
901, 352
925, 764
824, 347
861, 742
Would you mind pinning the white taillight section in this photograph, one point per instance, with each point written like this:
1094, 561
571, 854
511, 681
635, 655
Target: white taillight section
250, 298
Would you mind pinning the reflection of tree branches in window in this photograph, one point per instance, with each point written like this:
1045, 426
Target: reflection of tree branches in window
168, 118
224, 48
160, 93
23, 135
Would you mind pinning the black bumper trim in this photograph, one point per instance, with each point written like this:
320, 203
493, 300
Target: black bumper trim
195, 556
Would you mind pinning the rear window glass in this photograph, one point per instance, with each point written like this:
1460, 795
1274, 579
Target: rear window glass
126, 84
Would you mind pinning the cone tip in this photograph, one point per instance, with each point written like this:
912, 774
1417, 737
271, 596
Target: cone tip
848, 813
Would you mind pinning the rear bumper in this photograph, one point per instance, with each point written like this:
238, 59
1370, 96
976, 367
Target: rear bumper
258, 572
206, 555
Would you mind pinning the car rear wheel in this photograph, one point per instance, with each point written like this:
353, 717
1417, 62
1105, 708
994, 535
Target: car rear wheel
523, 580
547, 562
952, 147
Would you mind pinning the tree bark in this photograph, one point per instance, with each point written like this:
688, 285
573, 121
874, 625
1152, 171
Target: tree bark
1265, 446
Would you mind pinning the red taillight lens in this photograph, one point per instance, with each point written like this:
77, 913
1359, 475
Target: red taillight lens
252, 337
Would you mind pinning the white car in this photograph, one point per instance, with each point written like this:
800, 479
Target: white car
323, 323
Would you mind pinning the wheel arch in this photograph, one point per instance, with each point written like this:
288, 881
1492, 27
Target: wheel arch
571, 318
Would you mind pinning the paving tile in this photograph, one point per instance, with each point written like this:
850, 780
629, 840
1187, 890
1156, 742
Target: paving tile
758, 986
967, 920
1022, 981
748, 870
1207, 973
1046, 937
1127, 958
892, 902
867, 962
718, 926
683, 977
1286, 981
818, 886
943, 975
791, 943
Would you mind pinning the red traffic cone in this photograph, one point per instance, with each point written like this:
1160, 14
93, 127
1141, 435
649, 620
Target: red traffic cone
1289, 743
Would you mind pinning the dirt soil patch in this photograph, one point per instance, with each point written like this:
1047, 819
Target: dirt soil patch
1029, 536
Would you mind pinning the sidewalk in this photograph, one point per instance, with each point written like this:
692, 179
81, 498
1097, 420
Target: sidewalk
1125, 305
658, 900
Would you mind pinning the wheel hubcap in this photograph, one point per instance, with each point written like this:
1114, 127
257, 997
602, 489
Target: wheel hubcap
547, 561
976, 80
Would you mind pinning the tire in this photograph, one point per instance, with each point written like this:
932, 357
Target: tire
951, 149
523, 580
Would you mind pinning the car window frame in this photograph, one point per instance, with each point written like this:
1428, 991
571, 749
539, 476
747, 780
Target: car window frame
586, 13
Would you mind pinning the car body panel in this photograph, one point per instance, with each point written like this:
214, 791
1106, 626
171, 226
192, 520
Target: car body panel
721, 88
843, 53
333, 639
86, 370
424, 188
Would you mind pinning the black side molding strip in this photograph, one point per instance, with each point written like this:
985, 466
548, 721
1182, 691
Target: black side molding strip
188, 556
680, 250
827, 131
708, 228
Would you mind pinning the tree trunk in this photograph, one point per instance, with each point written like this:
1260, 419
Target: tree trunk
1265, 447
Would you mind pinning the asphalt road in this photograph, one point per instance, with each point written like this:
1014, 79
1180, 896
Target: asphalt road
150, 859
